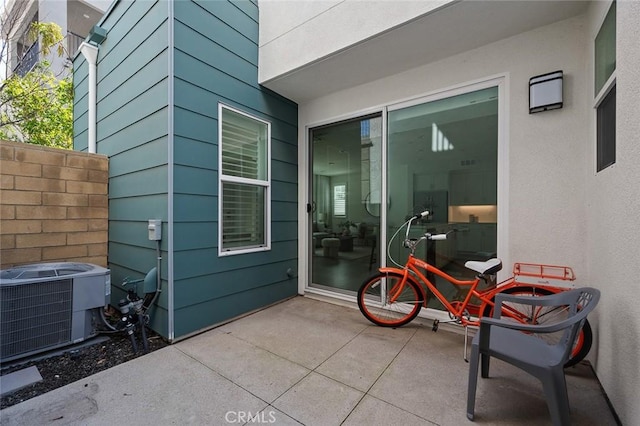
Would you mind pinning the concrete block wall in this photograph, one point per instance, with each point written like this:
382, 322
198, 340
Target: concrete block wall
53, 205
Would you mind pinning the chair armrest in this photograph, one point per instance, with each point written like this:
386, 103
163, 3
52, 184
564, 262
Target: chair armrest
561, 299
555, 299
530, 328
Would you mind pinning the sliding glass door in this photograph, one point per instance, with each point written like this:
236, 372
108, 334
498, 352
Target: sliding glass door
346, 184
442, 157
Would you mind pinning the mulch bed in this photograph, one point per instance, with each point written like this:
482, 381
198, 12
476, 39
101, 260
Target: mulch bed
79, 362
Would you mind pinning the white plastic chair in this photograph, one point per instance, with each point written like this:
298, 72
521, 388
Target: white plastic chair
517, 344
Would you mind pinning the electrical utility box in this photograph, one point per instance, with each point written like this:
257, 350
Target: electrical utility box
155, 229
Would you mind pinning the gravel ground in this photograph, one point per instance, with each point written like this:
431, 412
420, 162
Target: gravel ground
76, 363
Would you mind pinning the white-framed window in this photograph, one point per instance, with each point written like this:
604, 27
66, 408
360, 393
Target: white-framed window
340, 200
244, 194
605, 91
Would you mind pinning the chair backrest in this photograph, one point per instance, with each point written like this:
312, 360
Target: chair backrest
580, 302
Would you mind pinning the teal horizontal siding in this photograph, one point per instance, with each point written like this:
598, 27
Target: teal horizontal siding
230, 282
208, 19
126, 33
117, 89
145, 130
215, 311
216, 57
139, 157
194, 126
195, 236
201, 49
135, 233
283, 171
284, 231
285, 211
194, 208
141, 183
138, 208
215, 61
227, 12
284, 191
142, 106
249, 8
195, 181
194, 99
206, 261
80, 103
131, 257
202, 101
195, 153
285, 152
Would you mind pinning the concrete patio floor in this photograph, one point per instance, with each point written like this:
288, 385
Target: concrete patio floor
310, 362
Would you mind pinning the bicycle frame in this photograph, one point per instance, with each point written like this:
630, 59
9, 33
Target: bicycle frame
416, 266
462, 312
416, 278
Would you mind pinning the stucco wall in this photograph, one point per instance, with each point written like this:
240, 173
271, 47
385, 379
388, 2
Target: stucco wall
559, 211
292, 36
53, 205
612, 206
542, 223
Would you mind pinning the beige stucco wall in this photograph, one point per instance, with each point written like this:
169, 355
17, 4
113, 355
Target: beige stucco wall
613, 230
53, 205
292, 35
558, 211
542, 223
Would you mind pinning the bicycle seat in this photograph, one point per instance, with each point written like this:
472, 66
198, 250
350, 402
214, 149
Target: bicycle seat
489, 267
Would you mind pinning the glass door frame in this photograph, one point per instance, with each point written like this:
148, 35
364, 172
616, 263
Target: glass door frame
308, 227
501, 81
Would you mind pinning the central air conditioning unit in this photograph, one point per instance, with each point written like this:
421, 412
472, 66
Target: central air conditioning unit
49, 305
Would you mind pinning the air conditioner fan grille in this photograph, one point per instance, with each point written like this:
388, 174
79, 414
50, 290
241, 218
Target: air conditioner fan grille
35, 316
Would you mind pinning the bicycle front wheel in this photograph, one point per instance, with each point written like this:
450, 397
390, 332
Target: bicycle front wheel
374, 300
541, 315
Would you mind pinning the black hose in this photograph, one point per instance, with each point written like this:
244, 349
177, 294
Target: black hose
143, 332
104, 320
133, 341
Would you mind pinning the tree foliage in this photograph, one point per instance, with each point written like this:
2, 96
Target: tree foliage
38, 107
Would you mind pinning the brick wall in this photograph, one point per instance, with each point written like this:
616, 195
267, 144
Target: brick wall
53, 205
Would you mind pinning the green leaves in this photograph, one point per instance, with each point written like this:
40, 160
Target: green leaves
38, 108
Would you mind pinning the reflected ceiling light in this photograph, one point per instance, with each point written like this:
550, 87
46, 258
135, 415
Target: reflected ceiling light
439, 142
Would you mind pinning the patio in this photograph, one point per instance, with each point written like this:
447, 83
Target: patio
305, 361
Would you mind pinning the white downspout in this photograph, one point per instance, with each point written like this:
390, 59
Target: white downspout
90, 52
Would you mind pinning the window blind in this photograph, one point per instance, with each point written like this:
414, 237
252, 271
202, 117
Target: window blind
244, 185
340, 200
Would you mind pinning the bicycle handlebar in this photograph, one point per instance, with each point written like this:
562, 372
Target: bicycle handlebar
412, 243
421, 215
437, 237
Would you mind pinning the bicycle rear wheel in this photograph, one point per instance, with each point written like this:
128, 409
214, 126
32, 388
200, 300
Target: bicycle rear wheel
374, 300
542, 315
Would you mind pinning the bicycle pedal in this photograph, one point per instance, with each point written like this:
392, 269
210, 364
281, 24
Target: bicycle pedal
434, 328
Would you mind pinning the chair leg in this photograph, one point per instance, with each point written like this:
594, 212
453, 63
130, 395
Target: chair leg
555, 390
485, 365
473, 382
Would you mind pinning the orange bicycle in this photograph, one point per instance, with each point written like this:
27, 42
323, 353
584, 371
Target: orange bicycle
395, 295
